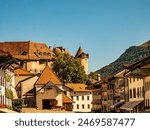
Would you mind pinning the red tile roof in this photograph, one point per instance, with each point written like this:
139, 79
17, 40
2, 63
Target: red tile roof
66, 99
22, 72
77, 87
28, 50
48, 76
3, 53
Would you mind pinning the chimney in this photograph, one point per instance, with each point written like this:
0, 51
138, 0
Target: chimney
98, 77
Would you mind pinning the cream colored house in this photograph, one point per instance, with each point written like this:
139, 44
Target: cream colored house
147, 92
24, 86
7, 83
81, 96
135, 86
51, 93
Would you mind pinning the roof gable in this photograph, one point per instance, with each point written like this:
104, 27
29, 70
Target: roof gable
48, 76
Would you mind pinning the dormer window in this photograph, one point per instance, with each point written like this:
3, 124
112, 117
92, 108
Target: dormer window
40, 53
44, 53
48, 54
24, 53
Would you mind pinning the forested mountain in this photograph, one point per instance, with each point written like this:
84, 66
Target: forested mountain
131, 55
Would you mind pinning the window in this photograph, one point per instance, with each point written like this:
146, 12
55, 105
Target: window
88, 97
88, 106
133, 79
24, 53
82, 106
44, 53
48, 54
82, 97
138, 92
77, 98
65, 92
77, 106
134, 93
149, 86
72, 97
0, 80
130, 93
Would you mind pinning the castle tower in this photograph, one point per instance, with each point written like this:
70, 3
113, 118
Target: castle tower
83, 58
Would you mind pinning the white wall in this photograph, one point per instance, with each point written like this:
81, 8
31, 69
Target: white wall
81, 102
5, 84
59, 99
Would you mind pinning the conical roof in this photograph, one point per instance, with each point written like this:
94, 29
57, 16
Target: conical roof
79, 52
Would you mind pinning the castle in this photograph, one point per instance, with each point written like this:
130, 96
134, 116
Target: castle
83, 58
35, 56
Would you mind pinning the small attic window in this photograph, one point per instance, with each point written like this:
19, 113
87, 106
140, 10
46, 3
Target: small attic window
44, 53
40, 53
24, 53
48, 54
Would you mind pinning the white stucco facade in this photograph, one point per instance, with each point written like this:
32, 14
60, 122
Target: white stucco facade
82, 101
6, 82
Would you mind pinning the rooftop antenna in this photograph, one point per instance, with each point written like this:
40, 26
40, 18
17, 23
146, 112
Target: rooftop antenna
79, 44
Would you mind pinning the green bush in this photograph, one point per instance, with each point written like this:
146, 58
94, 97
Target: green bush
9, 93
17, 104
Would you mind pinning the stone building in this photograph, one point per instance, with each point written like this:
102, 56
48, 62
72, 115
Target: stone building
33, 56
83, 58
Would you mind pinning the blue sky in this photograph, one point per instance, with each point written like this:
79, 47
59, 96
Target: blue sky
104, 28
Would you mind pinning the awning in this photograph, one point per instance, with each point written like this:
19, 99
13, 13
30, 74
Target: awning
117, 105
130, 105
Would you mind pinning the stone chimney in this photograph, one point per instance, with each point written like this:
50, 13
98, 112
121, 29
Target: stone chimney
98, 77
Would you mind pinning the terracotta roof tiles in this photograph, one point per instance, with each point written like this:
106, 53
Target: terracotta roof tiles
21, 72
77, 87
28, 50
66, 99
48, 76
